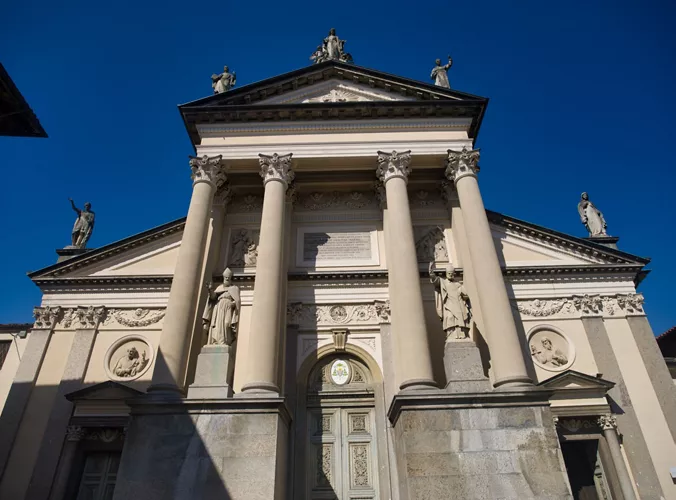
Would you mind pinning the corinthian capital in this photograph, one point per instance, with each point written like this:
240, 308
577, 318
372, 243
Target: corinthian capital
46, 317
608, 422
391, 165
276, 167
91, 316
208, 169
462, 163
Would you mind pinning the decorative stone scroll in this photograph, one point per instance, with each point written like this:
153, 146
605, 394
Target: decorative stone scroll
462, 163
208, 169
128, 358
311, 315
46, 317
550, 348
134, 318
393, 164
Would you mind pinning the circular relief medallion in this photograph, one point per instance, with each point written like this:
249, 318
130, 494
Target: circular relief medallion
128, 358
550, 349
338, 314
340, 372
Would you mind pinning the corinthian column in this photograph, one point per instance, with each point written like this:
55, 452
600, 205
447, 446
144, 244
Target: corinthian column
509, 367
408, 319
609, 425
169, 374
260, 374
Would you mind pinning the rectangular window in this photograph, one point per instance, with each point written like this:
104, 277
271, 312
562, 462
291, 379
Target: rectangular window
5, 345
99, 476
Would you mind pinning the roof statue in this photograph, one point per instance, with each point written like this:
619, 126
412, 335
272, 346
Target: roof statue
84, 225
591, 217
332, 49
223, 82
440, 73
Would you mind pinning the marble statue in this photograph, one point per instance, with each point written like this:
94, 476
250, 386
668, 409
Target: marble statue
333, 49
591, 217
451, 299
84, 225
223, 82
221, 314
546, 354
131, 364
440, 73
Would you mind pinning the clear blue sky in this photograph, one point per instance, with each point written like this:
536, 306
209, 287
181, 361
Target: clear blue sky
582, 99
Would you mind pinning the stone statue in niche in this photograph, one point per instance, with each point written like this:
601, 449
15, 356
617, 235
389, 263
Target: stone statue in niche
84, 225
244, 249
223, 82
546, 354
221, 314
430, 244
131, 364
451, 301
440, 73
591, 217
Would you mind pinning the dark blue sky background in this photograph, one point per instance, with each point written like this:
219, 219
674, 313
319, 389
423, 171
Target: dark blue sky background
582, 99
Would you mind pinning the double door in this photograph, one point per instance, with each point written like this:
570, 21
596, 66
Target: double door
342, 458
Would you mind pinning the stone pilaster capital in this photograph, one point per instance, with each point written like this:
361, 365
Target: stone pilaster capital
391, 165
608, 422
381, 195
276, 168
75, 433
46, 317
90, 317
462, 163
224, 195
292, 193
208, 169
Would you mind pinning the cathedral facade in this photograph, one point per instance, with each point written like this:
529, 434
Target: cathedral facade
339, 317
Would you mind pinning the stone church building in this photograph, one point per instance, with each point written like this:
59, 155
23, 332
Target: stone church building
338, 317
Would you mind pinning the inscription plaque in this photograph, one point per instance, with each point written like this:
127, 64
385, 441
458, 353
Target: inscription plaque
337, 246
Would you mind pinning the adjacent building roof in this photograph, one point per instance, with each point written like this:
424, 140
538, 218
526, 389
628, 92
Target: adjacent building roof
667, 343
16, 116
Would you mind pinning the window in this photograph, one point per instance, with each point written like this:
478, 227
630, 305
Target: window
99, 476
4, 349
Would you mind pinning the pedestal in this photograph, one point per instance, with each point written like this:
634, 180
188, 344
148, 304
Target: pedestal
69, 252
606, 241
464, 371
213, 375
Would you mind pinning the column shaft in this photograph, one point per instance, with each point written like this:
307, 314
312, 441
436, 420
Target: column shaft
170, 366
626, 484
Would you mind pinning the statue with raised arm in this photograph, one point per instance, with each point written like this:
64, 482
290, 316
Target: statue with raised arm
221, 314
440, 73
223, 82
84, 225
591, 217
450, 299
332, 49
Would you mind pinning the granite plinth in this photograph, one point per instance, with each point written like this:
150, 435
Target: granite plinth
464, 371
214, 372
477, 446
232, 449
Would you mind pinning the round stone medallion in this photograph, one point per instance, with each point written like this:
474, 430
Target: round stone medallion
128, 358
550, 348
340, 372
338, 314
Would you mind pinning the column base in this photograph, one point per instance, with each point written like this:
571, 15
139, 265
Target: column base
417, 384
234, 449
259, 388
463, 367
213, 374
513, 383
476, 446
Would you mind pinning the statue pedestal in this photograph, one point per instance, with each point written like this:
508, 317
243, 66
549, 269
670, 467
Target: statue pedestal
69, 252
606, 241
464, 371
213, 375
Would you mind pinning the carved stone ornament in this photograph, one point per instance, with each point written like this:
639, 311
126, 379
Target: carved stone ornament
462, 163
575, 425
584, 305
208, 169
339, 339
430, 244
276, 167
543, 308
608, 422
391, 165
310, 315
75, 433
340, 372
380, 193
337, 200
550, 348
223, 195
128, 358
46, 317
588, 304
331, 49
106, 434
90, 317
243, 247
134, 318
246, 202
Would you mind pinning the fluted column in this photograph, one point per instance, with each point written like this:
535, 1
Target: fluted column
208, 175
265, 330
509, 367
609, 425
408, 319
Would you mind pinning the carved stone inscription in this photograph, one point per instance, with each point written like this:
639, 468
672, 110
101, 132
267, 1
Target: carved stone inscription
336, 246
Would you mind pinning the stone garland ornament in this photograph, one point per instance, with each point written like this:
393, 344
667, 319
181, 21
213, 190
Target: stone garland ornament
550, 348
276, 167
586, 305
128, 358
393, 164
462, 163
321, 314
135, 318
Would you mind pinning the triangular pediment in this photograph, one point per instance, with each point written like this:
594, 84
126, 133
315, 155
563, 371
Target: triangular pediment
335, 91
572, 380
105, 391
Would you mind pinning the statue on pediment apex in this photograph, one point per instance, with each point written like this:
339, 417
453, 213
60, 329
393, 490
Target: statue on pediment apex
223, 82
591, 217
332, 49
84, 225
440, 73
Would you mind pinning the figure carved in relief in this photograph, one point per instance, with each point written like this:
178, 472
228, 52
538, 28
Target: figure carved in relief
84, 225
440, 73
131, 364
244, 250
546, 354
221, 314
591, 217
451, 301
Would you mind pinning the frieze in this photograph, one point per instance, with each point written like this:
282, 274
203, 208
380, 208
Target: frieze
338, 200
583, 305
311, 315
246, 203
106, 434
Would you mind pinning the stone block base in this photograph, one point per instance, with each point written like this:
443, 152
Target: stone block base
464, 371
180, 450
470, 446
213, 375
